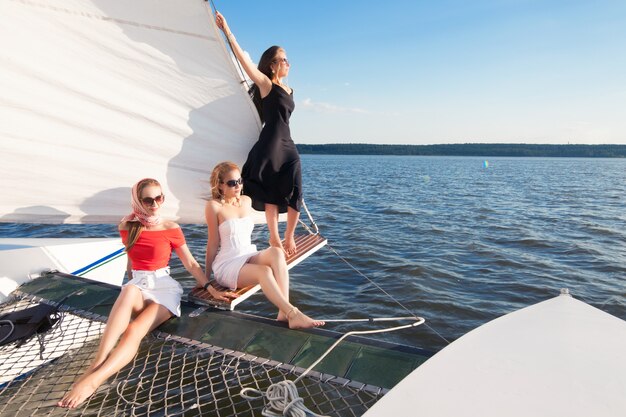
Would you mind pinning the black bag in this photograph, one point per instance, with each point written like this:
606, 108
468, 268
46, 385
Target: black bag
20, 326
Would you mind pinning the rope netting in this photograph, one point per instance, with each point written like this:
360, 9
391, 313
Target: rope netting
170, 376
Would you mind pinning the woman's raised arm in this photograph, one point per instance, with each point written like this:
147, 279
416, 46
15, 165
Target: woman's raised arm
257, 77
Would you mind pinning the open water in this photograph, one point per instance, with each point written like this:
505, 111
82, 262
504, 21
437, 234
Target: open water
457, 240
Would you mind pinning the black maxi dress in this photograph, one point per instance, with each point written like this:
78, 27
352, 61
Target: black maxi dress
272, 173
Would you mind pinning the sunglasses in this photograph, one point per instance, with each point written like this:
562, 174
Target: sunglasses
233, 183
282, 61
149, 201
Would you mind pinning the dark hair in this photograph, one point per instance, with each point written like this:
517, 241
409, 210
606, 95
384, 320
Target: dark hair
266, 60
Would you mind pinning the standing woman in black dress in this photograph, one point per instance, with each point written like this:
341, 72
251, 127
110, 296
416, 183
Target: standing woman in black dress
272, 174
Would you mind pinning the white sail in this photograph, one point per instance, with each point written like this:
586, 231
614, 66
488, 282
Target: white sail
97, 94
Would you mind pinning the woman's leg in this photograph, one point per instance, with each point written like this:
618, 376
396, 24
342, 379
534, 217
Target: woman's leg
151, 317
129, 303
275, 259
271, 217
292, 222
256, 272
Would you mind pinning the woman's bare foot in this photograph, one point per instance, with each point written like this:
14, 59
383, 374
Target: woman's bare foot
299, 320
290, 245
79, 393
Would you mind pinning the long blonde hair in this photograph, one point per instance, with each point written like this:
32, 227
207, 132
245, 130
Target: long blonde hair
135, 227
217, 177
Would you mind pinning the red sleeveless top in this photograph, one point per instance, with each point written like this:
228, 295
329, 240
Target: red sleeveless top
153, 249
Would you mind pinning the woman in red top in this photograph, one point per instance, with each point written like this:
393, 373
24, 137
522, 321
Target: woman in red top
150, 298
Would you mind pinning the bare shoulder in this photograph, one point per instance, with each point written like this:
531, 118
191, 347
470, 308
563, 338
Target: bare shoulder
212, 210
169, 224
212, 207
245, 200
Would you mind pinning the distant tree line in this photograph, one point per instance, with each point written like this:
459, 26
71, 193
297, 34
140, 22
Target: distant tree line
469, 149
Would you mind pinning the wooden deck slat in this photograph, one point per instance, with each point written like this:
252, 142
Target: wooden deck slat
306, 245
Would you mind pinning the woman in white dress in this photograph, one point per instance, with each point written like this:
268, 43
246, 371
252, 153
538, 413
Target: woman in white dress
232, 257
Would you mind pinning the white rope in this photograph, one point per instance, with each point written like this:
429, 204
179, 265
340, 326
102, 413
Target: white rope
283, 398
10, 324
418, 321
370, 320
130, 402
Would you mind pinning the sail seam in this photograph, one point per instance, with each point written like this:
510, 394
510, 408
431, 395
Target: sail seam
112, 19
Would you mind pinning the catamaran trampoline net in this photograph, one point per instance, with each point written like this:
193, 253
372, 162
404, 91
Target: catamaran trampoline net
169, 376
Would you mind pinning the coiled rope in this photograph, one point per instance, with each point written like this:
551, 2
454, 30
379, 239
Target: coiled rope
283, 398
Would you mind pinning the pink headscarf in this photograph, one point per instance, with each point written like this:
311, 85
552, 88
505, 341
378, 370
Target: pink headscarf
140, 214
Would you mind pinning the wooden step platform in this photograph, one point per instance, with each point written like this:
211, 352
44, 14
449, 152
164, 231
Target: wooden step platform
306, 245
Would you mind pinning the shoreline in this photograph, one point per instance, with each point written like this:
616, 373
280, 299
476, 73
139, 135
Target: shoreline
468, 149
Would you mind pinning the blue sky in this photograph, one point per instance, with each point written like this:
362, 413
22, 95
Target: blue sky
430, 72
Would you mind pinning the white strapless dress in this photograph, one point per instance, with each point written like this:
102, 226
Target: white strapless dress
235, 250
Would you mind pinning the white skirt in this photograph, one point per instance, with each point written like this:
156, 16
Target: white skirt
227, 265
159, 287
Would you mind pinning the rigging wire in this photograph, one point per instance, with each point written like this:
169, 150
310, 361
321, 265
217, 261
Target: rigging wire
414, 316
237, 63
383, 291
313, 224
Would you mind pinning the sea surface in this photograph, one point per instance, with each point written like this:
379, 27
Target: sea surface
456, 240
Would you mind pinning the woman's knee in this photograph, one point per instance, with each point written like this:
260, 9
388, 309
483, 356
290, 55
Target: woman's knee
130, 291
276, 254
131, 296
265, 272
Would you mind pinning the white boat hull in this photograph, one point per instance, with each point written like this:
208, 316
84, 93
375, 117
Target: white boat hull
560, 357
22, 259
